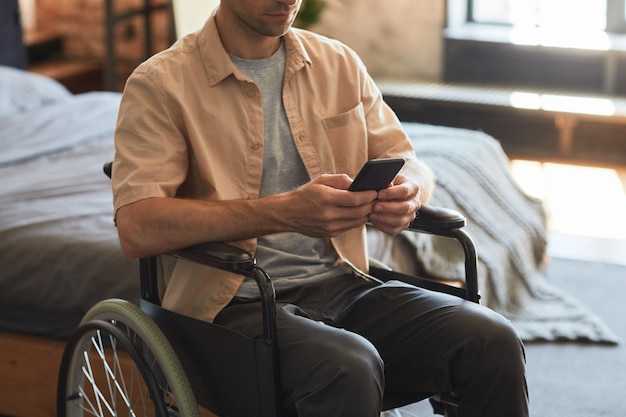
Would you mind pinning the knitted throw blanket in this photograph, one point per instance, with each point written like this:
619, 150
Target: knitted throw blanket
508, 228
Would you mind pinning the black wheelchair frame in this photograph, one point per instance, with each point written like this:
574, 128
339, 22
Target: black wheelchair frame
181, 359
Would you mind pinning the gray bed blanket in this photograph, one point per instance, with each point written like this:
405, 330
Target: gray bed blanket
59, 251
508, 228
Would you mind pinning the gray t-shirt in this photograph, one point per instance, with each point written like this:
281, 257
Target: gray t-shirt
288, 258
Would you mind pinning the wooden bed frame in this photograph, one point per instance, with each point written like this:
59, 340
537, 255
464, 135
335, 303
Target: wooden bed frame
29, 367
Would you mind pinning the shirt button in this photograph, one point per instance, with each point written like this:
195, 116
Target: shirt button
256, 146
251, 93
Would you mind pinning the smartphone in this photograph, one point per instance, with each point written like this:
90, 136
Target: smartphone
377, 174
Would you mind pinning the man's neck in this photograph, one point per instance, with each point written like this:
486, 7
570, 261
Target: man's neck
243, 42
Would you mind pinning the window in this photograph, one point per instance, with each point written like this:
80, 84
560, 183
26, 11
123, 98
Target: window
578, 15
537, 43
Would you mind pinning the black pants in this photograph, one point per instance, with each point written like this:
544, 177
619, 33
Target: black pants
351, 348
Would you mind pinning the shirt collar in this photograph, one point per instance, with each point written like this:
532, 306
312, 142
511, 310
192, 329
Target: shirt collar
218, 65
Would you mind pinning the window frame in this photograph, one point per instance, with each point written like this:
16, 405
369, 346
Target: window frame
615, 15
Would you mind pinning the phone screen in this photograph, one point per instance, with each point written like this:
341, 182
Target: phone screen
377, 174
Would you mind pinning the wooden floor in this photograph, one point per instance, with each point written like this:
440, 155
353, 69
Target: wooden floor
586, 208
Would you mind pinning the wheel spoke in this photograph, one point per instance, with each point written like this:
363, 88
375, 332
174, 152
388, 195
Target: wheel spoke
88, 372
98, 395
110, 375
89, 410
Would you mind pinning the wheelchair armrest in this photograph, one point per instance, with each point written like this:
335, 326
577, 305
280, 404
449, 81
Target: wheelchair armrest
218, 255
108, 168
233, 259
437, 221
449, 223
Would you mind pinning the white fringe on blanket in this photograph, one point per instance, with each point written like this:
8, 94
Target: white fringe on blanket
508, 228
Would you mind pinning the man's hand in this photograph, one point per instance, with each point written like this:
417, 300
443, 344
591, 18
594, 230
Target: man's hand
395, 206
324, 207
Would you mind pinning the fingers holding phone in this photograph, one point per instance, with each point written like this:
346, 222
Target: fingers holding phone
396, 206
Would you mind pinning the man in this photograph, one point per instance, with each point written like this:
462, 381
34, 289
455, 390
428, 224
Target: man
249, 132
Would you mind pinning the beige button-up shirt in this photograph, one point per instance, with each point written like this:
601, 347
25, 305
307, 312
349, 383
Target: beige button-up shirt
191, 125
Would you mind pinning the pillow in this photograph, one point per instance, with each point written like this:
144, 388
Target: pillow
22, 91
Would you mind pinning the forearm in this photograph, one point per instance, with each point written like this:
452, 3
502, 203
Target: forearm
157, 225
320, 208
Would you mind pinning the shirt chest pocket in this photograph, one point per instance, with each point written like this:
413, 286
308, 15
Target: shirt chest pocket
347, 136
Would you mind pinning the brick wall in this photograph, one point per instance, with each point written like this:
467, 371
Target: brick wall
82, 22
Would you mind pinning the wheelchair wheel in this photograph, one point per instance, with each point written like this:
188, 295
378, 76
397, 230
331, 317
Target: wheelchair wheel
120, 363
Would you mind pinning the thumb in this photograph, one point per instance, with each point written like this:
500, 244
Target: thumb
338, 181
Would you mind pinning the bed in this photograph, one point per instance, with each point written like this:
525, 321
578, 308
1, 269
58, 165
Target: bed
59, 251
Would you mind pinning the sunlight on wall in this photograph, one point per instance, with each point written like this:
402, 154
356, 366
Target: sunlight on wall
191, 15
581, 14
558, 23
583, 201
561, 37
561, 103
560, 14
28, 14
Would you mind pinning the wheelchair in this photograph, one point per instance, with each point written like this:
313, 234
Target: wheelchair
144, 360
